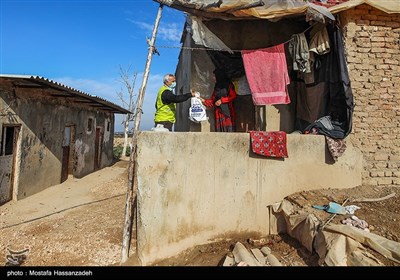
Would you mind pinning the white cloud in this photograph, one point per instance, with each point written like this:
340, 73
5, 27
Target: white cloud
170, 33
166, 31
107, 89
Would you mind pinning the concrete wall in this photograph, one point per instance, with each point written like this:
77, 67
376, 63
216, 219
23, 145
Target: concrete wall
38, 154
372, 40
193, 187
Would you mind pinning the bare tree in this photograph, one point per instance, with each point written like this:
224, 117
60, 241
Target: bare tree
128, 82
131, 196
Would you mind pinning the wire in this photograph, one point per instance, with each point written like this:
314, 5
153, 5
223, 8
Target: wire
212, 49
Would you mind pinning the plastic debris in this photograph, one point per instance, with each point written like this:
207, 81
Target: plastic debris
351, 209
356, 222
332, 208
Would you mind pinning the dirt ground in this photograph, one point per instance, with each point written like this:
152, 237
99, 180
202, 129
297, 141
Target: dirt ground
77, 223
381, 216
80, 223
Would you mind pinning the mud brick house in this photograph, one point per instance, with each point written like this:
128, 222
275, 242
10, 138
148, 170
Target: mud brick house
50, 131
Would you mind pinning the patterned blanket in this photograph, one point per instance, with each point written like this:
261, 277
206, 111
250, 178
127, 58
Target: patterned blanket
269, 143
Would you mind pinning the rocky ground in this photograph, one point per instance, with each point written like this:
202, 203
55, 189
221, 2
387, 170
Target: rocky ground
80, 223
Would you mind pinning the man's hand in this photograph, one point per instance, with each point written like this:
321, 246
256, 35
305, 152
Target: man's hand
218, 102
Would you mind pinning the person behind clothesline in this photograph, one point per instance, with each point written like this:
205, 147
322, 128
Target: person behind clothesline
221, 100
166, 102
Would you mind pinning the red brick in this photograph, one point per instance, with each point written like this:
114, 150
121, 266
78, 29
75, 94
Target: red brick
371, 17
396, 181
392, 47
377, 12
383, 18
391, 61
363, 34
363, 7
390, 39
386, 96
385, 181
353, 60
393, 24
378, 50
370, 182
377, 45
378, 23
384, 55
379, 173
361, 44
363, 22
372, 45
378, 39
382, 66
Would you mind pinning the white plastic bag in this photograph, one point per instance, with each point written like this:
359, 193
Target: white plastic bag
160, 127
197, 111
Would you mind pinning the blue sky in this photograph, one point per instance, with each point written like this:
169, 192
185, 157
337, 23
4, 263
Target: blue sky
82, 44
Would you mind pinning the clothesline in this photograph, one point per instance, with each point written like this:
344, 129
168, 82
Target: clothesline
210, 49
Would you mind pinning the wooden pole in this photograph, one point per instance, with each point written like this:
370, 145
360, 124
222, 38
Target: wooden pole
131, 195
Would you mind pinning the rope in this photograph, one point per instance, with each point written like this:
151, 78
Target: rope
211, 49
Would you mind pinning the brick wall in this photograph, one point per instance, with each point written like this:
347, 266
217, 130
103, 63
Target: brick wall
372, 40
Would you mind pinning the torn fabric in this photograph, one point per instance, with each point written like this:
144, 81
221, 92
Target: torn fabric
336, 245
272, 9
203, 36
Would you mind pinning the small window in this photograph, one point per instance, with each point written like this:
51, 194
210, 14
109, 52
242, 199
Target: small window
108, 125
90, 125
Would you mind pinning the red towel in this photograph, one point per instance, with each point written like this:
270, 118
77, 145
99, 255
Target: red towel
269, 143
267, 74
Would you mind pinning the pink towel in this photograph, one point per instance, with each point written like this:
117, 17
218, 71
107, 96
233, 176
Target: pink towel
267, 74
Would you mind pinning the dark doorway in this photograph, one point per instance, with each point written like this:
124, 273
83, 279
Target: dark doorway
98, 148
66, 147
8, 146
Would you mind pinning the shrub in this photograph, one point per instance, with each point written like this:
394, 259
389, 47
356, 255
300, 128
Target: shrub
128, 151
117, 151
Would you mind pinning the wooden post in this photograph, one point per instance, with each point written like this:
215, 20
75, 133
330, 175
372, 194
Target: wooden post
131, 195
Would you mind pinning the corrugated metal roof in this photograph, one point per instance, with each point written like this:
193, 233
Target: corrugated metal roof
66, 91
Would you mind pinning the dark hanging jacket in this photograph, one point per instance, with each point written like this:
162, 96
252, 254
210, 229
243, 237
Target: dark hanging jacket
332, 68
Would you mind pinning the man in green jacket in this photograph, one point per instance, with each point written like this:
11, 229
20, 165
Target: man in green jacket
166, 102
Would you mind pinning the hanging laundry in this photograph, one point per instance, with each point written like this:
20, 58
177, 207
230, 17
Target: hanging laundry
333, 70
311, 101
326, 126
319, 42
241, 86
319, 45
298, 49
267, 75
203, 36
269, 143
